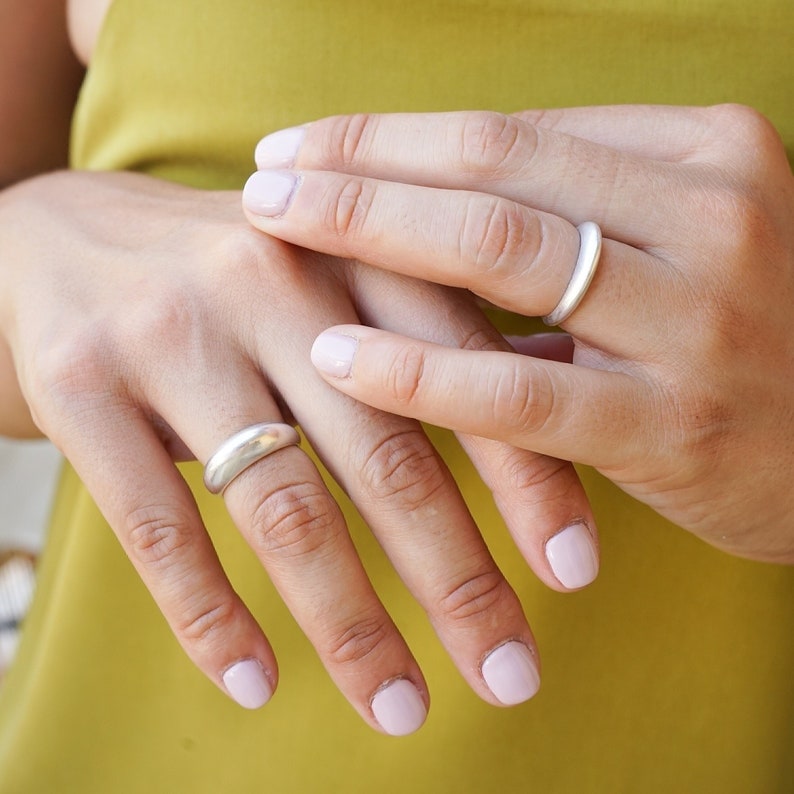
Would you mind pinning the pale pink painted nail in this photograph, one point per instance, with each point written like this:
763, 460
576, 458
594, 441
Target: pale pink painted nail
333, 353
268, 193
572, 556
398, 707
247, 683
511, 674
279, 149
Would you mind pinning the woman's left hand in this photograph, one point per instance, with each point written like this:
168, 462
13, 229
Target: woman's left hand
679, 386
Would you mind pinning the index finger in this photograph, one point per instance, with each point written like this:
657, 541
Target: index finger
506, 156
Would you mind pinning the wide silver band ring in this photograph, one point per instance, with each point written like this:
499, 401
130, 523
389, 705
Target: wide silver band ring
583, 272
243, 449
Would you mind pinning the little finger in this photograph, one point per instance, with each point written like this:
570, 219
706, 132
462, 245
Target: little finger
540, 498
147, 503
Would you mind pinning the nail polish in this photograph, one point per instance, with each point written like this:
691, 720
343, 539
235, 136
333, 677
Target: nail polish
332, 353
279, 149
247, 683
572, 556
510, 673
398, 707
268, 193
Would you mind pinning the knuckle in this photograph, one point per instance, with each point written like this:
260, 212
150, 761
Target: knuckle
523, 399
475, 597
241, 260
403, 378
491, 142
295, 520
349, 206
358, 642
497, 239
172, 317
156, 536
532, 473
483, 339
237, 246
346, 137
70, 380
404, 465
201, 622
246, 262
743, 125
77, 362
156, 540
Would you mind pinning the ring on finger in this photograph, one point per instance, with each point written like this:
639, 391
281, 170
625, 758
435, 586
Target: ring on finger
243, 449
583, 272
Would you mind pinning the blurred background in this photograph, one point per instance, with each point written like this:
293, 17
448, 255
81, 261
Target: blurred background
28, 475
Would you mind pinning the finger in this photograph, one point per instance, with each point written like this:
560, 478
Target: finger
288, 517
298, 532
151, 510
545, 508
538, 497
533, 165
409, 499
513, 256
562, 410
407, 496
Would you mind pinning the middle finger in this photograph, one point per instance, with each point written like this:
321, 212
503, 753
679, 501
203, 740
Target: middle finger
514, 256
409, 499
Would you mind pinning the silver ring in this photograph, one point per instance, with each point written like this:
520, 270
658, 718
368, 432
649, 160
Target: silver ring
243, 449
583, 272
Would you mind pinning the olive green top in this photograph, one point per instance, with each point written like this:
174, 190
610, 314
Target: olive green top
674, 672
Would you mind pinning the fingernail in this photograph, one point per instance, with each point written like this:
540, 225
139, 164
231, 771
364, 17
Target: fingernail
511, 674
247, 683
268, 193
279, 149
572, 556
398, 707
332, 353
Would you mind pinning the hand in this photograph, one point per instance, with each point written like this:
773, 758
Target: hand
148, 323
680, 386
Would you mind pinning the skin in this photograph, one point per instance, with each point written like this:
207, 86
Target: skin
679, 384
142, 323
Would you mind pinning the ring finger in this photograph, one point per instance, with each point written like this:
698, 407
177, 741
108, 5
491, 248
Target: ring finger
410, 501
293, 525
540, 498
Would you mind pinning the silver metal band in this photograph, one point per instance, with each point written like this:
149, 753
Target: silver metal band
243, 449
583, 272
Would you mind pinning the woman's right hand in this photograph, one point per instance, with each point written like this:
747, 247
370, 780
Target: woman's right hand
148, 323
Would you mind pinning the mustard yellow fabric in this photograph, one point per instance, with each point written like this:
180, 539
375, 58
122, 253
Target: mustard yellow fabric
673, 673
